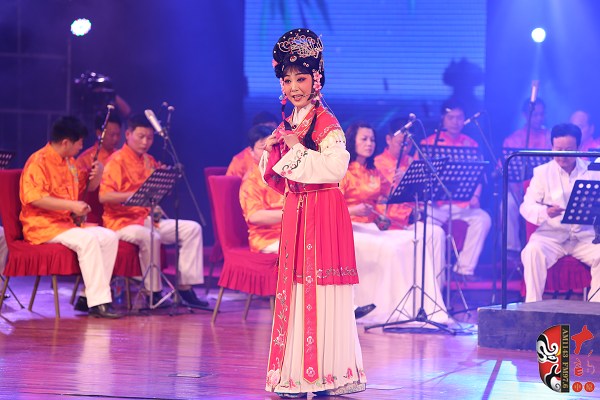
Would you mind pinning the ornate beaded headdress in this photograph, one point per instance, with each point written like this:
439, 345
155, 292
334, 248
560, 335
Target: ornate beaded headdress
301, 47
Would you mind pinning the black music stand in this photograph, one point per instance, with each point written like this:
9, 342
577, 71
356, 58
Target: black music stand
416, 183
5, 158
454, 153
584, 208
150, 194
522, 168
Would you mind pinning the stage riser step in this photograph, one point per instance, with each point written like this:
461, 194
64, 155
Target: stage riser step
519, 326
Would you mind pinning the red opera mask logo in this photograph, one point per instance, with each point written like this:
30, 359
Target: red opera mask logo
553, 348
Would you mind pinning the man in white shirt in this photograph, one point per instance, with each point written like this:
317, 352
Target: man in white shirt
544, 205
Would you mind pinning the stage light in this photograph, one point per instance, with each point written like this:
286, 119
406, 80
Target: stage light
81, 26
538, 35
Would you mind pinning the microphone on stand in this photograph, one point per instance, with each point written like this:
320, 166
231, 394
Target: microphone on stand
411, 120
473, 118
535, 87
154, 122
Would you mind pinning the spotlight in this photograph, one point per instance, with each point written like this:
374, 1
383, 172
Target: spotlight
81, 26
538, 35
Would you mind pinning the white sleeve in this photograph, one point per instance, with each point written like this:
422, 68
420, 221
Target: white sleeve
262, 164
530, 209
328, 165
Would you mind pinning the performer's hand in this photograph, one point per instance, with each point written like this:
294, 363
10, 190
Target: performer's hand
97, 169
80, 208
271, 140
361, 210
290, 139
474, 203
554, 211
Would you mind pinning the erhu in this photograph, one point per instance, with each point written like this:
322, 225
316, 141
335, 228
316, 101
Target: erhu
79, 220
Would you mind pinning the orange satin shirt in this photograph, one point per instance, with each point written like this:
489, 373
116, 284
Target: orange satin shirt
386, 164
125, 172
45, 174
241, 163
255, 195
538, 139
362, 185
84, 161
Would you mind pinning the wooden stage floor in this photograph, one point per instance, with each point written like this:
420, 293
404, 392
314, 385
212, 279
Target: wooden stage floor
185, 357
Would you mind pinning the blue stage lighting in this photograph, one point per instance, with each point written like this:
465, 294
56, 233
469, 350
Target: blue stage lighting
538, 35
81, 26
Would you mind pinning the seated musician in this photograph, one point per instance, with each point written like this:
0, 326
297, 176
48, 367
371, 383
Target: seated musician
479, 221
385, 258
111, 141
49, 191
245, 160
539, 138
544, 204
125, 172
583, 120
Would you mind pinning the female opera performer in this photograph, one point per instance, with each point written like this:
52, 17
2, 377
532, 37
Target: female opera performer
314, 342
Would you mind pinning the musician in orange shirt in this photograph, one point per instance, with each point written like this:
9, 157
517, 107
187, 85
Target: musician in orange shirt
49, 190
245, 159
262, 206
111, 140
479, 221
125, 172
385, 258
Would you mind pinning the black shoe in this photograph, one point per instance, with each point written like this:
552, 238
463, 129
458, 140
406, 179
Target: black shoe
156, 297
363, 310
104, 311
81, 304
190, 299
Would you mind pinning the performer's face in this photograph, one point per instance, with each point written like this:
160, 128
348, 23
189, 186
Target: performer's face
297, 87
365, 142
565, 143
71, 149
140, 139
537, 116
258, 148
582, 120
112, 137
454, 121
395, 144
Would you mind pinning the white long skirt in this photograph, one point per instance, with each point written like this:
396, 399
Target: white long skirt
385, 261
340, 358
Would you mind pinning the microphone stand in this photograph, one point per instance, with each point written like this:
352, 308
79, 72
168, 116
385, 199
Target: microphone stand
181, 174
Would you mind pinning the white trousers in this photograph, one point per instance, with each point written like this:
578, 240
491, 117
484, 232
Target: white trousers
191, 261
514, 219
3, 250
96, 249
386, 263
479, 223
542, 252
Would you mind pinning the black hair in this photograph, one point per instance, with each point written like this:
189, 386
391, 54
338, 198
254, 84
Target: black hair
100, 117
449, 105
527, 104
68, 127
566, 129
351, 133
264, 117
257, 133
137, 120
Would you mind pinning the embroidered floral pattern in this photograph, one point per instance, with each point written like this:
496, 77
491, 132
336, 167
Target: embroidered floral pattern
310, 372
273, 377
292, 165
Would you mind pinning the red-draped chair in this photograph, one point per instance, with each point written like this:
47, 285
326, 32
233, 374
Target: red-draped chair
243, 270
215, 253
25, 259
568, 275
127, 264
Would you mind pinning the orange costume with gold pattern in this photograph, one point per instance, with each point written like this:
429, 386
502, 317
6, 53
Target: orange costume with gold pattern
363, 185
386, 165
46, 173
241, 163
125, 172
255, 195
84, 160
